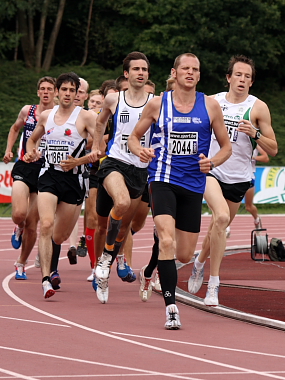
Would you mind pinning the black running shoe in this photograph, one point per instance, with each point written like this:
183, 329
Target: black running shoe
82, 248
72, 255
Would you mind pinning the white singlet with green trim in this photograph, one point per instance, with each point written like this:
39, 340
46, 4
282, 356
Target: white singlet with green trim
238, 167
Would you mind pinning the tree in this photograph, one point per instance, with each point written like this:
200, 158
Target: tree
30, 16
87, 33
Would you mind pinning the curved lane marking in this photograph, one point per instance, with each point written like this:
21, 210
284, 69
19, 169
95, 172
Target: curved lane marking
5, 285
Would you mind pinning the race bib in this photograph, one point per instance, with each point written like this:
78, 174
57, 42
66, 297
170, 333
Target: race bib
232, 126
124, 144
183, 143
57, 153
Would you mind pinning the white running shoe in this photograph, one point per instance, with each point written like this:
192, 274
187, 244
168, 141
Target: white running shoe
103, 290
48, 290
195, 280
212, 295
156, 283
103, 267
37, 262
228, 232
172, 318
145, 287
91, 277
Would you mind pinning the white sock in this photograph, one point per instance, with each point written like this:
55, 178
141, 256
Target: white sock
199, 265
214, 280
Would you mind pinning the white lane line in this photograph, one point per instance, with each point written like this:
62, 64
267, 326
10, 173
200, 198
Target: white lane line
18, 375
28, 320
5, 285
96, 363
198, 344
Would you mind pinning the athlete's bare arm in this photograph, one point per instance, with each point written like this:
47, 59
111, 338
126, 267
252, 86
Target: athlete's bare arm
218, 125
262, 156
14, 132
261, 119
109, 108
149, 115
34, 140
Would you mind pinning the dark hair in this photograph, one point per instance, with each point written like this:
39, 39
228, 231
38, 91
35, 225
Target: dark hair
134, 56
150, 83
241, 58
119, 81
68, 78
106, 86
46, 79
178, 59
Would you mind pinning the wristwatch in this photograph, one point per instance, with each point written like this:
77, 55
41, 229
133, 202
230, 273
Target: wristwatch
212, 165
257, 135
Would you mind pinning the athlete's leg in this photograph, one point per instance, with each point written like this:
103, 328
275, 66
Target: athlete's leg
20, 202
137, 224
91, 225
47, 204
30, 230
215, 240
250, 207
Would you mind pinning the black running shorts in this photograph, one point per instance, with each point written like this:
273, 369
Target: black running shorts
183, 205
233, 192
135, 178
68, 188
27, 173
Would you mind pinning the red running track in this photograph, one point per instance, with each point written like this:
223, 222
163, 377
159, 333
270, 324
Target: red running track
73, 336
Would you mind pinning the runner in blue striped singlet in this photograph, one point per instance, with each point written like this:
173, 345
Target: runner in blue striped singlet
180, 138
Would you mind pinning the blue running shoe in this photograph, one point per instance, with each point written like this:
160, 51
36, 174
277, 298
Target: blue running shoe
122, 266
55, 280
16, 238
20, 272
130, 277
95, 283
124, 271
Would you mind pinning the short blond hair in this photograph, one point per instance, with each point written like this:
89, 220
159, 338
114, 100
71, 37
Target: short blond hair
94, 92
169, 83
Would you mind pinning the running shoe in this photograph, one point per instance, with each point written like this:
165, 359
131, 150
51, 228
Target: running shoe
16, 238
124, 271
82, 247
172, 318
145, 286
130, 277
228, 232
72, 255
156, 283
92, 275
102, 289
212, 295
103, 267
55, 280
48, 290
196, 280
257, 223
37, 261
95, 284
20, 272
